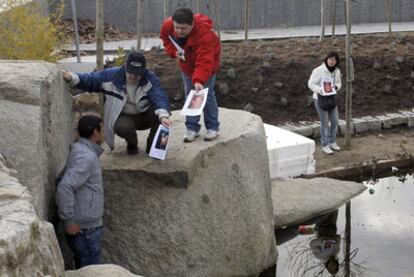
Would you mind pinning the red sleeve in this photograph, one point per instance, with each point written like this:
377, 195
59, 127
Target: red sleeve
204, 58
167, 29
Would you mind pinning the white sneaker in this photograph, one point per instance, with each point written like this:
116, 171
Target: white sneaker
335, 146
211, 135
327, 150
190, 136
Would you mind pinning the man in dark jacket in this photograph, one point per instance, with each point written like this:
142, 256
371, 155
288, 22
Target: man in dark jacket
79, 196
198, 54
134, 100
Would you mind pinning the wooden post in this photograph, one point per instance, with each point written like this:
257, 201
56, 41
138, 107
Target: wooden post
322, 20
333, 17
389, 8
139, 23
246, 19
349, 75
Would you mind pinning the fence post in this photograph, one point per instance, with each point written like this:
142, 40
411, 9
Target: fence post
246, 19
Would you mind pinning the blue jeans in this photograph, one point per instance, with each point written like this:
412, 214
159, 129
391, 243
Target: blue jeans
210, 109
86, 246
329, 124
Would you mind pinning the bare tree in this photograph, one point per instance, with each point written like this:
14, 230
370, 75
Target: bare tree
140, 7
246, 19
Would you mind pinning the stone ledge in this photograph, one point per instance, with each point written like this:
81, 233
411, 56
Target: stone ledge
358, 125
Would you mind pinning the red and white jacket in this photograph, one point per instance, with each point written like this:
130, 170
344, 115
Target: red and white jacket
202, 48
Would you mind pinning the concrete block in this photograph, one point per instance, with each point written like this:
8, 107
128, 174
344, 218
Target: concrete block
374, 124
410, 118
385, 121
397, 119
361, 125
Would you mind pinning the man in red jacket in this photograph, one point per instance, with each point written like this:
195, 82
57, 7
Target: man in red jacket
198, 52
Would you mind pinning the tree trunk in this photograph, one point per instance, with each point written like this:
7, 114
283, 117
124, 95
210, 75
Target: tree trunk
139, 23
389, 8
349, 76
246, 19
99, 34
99, 47
75, 23
322, 20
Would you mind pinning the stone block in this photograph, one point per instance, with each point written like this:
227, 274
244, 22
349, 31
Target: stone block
298, 200
342, 127
385, 121
374, 124
28, 245
409, 115
360, 125
36, 116
316, 127
397, 119
204, 211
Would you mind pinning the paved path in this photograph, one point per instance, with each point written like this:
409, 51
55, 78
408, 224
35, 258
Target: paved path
149, 43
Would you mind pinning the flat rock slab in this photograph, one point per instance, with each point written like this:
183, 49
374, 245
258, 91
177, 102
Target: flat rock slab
105, 270
297, 200
204, 211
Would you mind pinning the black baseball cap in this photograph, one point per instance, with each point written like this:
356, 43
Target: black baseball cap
135, 63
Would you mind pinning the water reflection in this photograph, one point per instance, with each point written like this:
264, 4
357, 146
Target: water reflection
371, 236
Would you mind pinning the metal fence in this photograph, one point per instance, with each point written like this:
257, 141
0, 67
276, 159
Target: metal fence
262, 13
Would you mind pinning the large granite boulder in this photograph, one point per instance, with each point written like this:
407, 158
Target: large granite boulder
28, 245
105, 270
298, 200
36, 124
204, 211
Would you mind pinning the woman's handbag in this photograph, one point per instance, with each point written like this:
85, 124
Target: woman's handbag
327, 103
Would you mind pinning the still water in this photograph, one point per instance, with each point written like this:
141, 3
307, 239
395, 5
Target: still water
381, 240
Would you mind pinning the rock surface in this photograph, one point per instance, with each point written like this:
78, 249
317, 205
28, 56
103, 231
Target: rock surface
28, 246
204, 211
297, 200
36, 124
105, 270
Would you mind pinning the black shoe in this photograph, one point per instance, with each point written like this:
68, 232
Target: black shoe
132, 150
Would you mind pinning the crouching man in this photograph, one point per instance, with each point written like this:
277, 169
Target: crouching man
134, 98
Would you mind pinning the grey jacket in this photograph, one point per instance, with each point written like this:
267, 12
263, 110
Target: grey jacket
80, 196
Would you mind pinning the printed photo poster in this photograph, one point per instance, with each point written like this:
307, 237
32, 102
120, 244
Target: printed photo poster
195, 102
159, 145
328, 86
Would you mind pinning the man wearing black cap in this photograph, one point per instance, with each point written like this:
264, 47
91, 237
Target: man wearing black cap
134, 100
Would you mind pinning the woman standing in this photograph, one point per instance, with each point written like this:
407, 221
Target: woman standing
325, 81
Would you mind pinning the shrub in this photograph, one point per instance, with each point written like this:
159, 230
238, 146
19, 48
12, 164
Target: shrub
26, 34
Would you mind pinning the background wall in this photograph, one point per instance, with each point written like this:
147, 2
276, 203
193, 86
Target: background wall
263, 13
